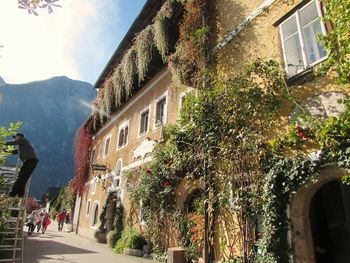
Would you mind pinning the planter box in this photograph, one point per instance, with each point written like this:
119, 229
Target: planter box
176, 255
134, 252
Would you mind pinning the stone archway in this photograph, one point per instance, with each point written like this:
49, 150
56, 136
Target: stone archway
185, 191
299, 209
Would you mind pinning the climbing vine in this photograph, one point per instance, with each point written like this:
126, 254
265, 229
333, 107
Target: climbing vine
129, 70
144, 48
290, 168
107, 99
82, 152
189, 59
216, 138
160, 34
337, 40
134, 64
154, 186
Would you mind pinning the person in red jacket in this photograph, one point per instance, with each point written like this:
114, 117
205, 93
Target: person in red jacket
46, 222
60, 218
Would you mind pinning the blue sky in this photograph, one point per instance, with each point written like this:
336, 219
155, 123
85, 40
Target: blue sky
77, 40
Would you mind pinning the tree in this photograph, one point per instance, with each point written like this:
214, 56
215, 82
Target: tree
31, 204
4, 134
32, 6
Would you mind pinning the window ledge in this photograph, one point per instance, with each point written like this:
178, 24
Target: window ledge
141, 135
122, 147
301, 77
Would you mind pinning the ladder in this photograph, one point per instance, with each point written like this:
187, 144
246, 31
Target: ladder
13, 220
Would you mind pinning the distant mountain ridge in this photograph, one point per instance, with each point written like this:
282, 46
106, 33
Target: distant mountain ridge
51, 111
2, 81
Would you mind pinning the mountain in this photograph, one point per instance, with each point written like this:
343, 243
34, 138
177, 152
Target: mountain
2, 81
51, 111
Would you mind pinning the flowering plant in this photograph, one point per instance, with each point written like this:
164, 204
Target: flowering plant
196, 222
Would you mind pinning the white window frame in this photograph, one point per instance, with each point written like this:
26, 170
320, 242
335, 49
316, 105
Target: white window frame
181, 96
155, 124
141, 221
148, 108
109, 137
300, 31
118, 177
98, 148
88, 207
94, 185
92, 214
93, 155
123, 126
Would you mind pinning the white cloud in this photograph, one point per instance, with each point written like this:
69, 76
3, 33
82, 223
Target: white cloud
39, 47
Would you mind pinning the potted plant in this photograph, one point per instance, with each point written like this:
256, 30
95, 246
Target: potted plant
101, 235
134, 244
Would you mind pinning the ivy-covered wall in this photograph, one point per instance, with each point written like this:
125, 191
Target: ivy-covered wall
261, 39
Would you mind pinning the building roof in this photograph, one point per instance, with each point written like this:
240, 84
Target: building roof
145, 17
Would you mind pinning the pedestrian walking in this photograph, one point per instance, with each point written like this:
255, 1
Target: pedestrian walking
39, 219
29, 158
60, 218
30, 222
67, 218
46, 222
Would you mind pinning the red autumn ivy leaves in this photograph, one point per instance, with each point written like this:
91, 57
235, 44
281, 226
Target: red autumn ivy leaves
149, 172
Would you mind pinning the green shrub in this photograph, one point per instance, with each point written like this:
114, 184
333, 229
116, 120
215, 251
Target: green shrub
112, 238
118, 221
134, 240
119, 247
160, 257
130, 239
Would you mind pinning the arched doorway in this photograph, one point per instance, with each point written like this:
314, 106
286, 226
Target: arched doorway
330, 223
191, 203
302, 211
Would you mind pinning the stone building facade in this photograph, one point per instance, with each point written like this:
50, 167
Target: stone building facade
142, 121
244, 30
287, 32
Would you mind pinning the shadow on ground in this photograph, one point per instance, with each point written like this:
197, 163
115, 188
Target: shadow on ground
49, 247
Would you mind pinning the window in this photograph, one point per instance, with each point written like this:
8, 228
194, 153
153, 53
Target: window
93, 155
182, 100
144, 117
88, 204
94, 184
106, 149
161, 111
123, 135
141, 211
94, 216
301, 48
97, 154
117, 177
